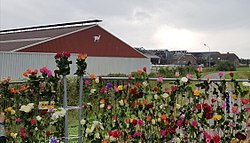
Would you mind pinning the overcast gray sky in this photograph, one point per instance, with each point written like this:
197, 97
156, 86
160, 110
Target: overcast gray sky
224, 25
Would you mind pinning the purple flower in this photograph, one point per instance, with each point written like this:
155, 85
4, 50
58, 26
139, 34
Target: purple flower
53, 140
139, 122
166, 89
160, 79
109, 86
87, 82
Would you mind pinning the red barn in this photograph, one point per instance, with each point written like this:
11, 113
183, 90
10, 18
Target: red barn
101, 46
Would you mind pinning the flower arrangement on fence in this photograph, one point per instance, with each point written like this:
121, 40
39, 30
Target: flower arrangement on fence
135, 110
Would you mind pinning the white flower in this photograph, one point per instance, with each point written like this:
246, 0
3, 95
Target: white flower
97, 80
12, 112
102, 105
112, 139
156, 96
88, 131
92, 90
165, 95
159, 119
145, 83
60, 112
121, 102
184, 79
153, 121
178, 106
245, 83
31, 105
36, 129
25, 108
83, 122
38, 118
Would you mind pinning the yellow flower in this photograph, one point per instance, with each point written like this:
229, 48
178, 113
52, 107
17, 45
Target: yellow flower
120, 87
234, 140
234, 96
217, 117
197, 93
13, 135
9, 109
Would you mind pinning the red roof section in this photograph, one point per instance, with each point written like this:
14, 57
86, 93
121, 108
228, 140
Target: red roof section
78, 39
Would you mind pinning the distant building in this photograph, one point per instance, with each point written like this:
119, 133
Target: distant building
184, 60
231, 57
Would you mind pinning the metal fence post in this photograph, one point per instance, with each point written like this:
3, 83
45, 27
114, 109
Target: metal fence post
65, 106
80, 111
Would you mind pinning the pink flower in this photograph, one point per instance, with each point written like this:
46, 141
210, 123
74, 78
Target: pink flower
139, 122
179, 123
18, 120
220, 74
144, 69
33, 121
248, 109
166, 89
163, 133
235, 109
87, 82
194, 123
177, 74
160, 79
216, 139
244, 100
232, 124
199, 69
137, 134
189, 76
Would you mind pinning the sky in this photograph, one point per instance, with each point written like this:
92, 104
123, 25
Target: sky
223, 25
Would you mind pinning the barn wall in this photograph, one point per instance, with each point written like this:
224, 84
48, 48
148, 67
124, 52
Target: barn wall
14, 64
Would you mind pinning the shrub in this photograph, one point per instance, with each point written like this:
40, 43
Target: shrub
225, 66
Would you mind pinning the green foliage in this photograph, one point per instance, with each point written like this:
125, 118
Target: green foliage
225, 66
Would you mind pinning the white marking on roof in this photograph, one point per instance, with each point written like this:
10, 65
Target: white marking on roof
24, 40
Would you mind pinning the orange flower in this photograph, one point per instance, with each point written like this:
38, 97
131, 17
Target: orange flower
82, 56
145, 102
35, 71
167, 122
25, 74
127, 120
92, 76
13, 90
164, 116
105, 141
139, 71
102, 101
29, 71
148, 118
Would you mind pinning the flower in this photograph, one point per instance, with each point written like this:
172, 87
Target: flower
38, 118
82, 56
53, 140
92, 76
199, 69
216, 139
244, 100
234, 96
246, 84
196, 93
137, 135
248, 109
220, 74
144, 69
231, 74
194, 123
139, 71
27, 108
189, 76
217, 117
160, 79
235, 109
33, 121
177, 74
83, 121
240, 136
120, 87
184, 79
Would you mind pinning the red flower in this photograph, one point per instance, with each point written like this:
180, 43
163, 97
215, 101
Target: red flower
144, 69
155, 88
137, 84
134, 121
24, 135
66, 54
133, 104
213, 100
148, 118
216, 139
244, 100
115, 118
231, 74
33, 121
102, 90
43, 112
148, 106
18, 120
138, 103
58, 55
47, 133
